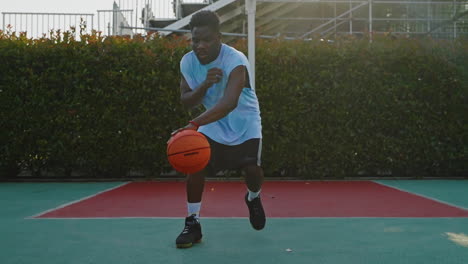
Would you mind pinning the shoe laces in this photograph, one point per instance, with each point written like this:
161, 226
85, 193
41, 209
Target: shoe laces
186, 229
255, 207
256, 210
188, 226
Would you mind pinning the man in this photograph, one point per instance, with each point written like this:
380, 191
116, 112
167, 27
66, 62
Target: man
217, 76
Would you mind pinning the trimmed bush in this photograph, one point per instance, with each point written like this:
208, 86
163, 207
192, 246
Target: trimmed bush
106, 106
352, 108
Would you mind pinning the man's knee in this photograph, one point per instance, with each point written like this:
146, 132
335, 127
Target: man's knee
253, 170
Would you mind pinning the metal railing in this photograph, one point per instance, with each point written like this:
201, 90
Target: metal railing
41, 24
154, 8
412, 17
108, 21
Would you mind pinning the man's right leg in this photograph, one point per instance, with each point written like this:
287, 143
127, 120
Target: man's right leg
191, 234
195, 184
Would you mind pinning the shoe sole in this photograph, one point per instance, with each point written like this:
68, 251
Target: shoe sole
258, 227
188, 245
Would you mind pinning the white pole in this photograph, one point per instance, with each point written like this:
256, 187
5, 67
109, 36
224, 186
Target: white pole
350, 18
136, 16
370, 21
92, 24
250, 7
454, 22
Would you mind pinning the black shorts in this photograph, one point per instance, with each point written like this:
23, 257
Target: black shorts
224, 157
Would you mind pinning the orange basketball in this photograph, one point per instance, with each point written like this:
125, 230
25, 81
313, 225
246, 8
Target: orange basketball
188, 151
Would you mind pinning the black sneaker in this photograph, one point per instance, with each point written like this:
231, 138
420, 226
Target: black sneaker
191, 233
256, 212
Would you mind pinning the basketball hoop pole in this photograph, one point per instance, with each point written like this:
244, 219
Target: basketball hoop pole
250, 8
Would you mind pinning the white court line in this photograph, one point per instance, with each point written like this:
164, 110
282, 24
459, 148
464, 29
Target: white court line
127, 217
423, 196
424, 218
35, 217
76, 201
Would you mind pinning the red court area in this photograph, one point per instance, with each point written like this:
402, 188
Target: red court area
280, 199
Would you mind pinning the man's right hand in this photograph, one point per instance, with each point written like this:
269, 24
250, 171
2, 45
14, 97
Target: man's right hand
214, 75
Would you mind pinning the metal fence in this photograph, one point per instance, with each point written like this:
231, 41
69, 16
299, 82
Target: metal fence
116, 20
160, 9
412, 17
438, 18
41, 24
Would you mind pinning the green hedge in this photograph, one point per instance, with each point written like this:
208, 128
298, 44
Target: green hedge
106, 106
100, 106
395, 107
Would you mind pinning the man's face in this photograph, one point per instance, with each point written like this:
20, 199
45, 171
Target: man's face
205, 43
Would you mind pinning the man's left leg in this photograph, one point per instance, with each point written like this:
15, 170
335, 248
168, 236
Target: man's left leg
254, 180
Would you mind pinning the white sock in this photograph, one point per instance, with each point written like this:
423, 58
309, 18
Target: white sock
253, 195
194, 209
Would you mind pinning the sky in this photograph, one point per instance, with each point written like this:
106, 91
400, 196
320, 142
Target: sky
79, 6
65, 6
75, 6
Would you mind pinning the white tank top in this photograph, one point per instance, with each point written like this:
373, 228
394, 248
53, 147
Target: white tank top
244, 122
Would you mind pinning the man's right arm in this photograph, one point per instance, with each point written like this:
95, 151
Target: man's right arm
192, 98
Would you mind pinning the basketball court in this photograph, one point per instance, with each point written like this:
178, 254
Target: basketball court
325, 222
387, 221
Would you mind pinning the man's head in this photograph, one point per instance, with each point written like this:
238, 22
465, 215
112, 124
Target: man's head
206, 38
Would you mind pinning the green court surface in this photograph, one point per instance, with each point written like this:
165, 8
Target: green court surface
226, 240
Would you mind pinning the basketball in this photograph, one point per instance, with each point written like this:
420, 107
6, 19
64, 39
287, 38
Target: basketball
188, 151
